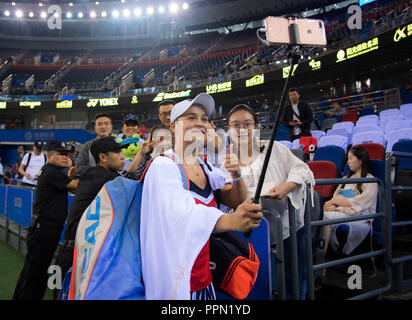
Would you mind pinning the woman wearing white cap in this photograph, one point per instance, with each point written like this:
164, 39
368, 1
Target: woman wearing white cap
178, 215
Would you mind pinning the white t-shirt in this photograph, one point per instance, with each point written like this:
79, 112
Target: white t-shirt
296, 129
36, 163
283, 167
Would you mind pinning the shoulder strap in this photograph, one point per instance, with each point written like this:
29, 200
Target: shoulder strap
182, 170
45, 158
296, 115
28, 160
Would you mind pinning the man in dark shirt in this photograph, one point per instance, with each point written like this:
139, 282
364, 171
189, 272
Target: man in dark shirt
49, 214
297, 117
109, 160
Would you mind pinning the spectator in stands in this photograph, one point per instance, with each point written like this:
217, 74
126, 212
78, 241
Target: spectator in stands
286, 177
130, 134
31, 164
188, 216
165, 108
350, 200
158, 141
20, 155
130, 127
336, 110
298, 116
49, 213
103, 128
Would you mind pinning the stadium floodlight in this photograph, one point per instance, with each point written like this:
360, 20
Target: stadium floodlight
31, 14
137, 11
161, 9
56, 15
19, 14
185, 6
123, 1
93, 14
43, 15
97, 3
7, 13
174, 8
69, 15
13, 3
40, 4
71, 4
104, 14
126, 13
80, 15
150, 11
115, 14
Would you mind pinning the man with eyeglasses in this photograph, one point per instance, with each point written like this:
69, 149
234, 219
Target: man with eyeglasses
165, 108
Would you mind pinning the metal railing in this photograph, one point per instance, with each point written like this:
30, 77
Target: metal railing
398, 261
389, 98
385, 251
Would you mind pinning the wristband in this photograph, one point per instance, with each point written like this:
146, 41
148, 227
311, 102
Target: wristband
237, 179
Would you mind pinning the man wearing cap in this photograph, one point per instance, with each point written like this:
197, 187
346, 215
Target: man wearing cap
130, 127
178, 214
31, 164
130, 135
49, 214
103, 128
109, 160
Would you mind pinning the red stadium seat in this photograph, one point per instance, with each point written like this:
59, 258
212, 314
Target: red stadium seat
376, 150
351, 115
324, 170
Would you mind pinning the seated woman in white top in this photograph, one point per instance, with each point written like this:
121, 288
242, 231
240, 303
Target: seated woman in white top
350, 200
286, 175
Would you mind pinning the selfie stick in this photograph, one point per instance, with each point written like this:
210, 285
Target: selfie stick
293, 57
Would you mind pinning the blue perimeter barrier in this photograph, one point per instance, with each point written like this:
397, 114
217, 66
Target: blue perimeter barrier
16, 203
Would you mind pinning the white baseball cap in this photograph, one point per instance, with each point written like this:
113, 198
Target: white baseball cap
203, 99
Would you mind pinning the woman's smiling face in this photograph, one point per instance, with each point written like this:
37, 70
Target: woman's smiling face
241, 125
192, 124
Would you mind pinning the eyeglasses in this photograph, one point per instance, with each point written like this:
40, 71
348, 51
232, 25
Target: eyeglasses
244, 125
165, 114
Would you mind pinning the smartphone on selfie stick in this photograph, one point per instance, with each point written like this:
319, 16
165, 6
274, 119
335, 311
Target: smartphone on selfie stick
296, 33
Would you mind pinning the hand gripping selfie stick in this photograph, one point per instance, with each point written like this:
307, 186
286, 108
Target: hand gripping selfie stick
293, 58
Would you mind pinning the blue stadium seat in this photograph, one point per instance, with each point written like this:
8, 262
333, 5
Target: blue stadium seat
398, 135
367, 111
389, 113
333, 140
385, 120
396, 124
403, 146
331, 153
318, 134
369, 137
405, 107
340, 132
348, 125
364, 128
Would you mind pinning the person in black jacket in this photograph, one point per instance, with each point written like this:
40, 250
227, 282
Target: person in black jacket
49, 214
297, 116
109, 161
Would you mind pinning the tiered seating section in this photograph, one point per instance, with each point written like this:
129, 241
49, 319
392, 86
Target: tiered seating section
207, 54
